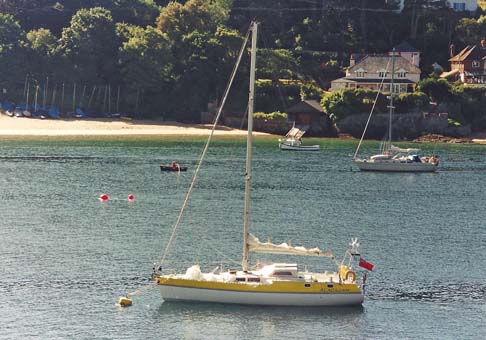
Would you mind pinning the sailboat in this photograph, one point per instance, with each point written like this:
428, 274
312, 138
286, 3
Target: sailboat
392, 158
275, 284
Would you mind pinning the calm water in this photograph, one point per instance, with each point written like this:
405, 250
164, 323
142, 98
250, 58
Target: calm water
66, 257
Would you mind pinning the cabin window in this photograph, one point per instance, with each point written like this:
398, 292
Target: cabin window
241, 279
307, 285
475, 64
253, 279
330, 286
282, 273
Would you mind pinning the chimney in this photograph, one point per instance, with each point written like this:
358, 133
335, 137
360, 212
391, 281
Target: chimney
352, 60
452, 51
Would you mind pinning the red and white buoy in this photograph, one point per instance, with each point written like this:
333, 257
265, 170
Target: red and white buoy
104, 197
131, 197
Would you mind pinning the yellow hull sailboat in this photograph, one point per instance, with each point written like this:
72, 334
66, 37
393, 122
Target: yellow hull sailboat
276, 284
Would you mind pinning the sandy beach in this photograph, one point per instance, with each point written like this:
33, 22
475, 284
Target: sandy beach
13, 126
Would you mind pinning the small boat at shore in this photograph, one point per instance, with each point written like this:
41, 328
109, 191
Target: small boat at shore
174, 167
293, 141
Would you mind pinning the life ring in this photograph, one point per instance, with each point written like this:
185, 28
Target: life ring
349, 274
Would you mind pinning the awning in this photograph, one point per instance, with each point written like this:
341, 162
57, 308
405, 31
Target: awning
450, 73
295, 133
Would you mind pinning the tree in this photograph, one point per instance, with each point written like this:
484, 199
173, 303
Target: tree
11, 34
275, 64
418, 10
91, 44
137, 12
342, 103
192, 29
146, 65
40, 47
12, 61
437, 89
470, 31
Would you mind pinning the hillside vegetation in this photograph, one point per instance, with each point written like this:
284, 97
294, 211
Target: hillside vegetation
169, 59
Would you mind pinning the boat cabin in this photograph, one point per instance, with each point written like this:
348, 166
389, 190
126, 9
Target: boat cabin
280, 269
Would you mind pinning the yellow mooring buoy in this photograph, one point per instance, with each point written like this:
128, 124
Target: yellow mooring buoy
124, 301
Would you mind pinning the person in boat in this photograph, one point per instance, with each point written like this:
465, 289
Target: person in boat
175, 165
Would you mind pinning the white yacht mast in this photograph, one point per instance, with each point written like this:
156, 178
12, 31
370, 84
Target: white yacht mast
391, 100
246, 224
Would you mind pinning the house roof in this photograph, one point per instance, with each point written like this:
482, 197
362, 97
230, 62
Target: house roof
306, 106
375, 64
470, 52
373, 80
404, 46
461, 56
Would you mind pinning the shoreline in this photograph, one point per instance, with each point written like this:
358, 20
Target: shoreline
34, 127
13, 126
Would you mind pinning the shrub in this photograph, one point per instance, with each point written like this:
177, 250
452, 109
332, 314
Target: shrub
277, 115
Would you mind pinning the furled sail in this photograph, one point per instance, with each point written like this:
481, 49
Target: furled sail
409, 150
256, 246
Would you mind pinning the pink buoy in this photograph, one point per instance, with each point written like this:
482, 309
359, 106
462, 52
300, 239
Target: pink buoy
131, 197
104, 197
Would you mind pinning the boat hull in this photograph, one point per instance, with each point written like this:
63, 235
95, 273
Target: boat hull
169, 168
265, 295
390, 166
284, 146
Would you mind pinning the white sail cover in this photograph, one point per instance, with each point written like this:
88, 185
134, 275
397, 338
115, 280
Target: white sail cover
295, 133
397, 149
256, 246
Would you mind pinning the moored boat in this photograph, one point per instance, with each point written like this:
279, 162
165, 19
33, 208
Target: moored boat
392, 158
173, 167
293, 141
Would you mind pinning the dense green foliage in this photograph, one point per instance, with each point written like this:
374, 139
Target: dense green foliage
170, 58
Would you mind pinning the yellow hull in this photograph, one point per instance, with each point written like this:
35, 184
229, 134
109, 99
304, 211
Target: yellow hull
278, 293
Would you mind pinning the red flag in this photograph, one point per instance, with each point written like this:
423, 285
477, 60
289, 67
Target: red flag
365, 265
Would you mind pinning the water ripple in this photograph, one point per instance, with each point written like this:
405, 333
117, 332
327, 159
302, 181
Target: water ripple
433, 292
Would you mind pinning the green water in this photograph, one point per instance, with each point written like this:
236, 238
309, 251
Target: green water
66, 257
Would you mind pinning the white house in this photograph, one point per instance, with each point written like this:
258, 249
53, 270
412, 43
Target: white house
456, 5
370, 71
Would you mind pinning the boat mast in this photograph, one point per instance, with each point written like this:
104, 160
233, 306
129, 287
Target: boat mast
246, 224
391, 100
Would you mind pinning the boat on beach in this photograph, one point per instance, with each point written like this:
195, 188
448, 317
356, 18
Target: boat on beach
269, 284
392, 158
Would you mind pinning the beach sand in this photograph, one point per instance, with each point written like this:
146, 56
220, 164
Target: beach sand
13, 126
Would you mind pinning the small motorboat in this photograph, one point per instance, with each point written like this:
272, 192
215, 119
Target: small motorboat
173, 167
293, 141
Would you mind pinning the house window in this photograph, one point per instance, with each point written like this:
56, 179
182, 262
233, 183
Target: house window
401, 74
459, 7
360, 74
382, 74
476, 64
